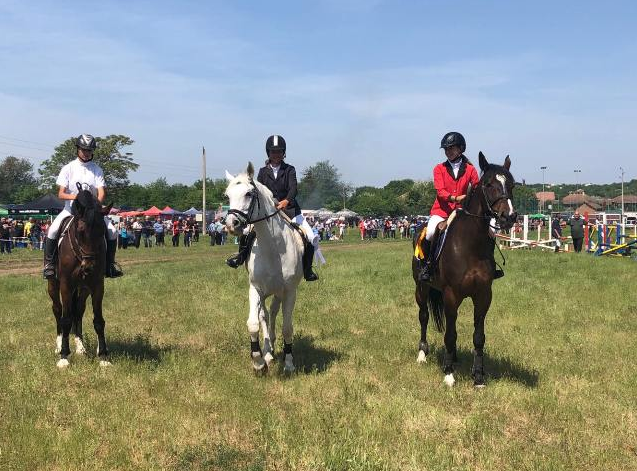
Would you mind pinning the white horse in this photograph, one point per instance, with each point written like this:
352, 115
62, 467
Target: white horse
274, 267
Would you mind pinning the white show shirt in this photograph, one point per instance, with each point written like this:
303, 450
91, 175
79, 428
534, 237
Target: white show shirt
455, 166
275, 170
88, 174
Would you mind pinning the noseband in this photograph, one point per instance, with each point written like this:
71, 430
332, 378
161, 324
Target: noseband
244, 217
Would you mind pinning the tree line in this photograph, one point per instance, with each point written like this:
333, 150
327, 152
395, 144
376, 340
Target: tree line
320, 185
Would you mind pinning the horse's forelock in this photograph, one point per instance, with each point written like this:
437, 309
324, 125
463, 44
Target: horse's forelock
494, 170
243, 178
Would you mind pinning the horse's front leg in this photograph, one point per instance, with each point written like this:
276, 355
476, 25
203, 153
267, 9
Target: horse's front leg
66, 321
451, 314
256, 308
423, 317
481, 304
78, 312
269, 329
54, 294
288, 331
99, 323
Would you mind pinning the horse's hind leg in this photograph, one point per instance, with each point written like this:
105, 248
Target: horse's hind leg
481, 303
288, 331
99, 323
54, 294
423, 317
256, 303
78, 315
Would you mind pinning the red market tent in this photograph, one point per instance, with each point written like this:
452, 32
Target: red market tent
154, 211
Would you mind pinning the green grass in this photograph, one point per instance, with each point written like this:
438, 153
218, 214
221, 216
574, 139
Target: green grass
561, 394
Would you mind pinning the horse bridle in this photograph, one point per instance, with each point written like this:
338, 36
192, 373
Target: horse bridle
489, 213
244, 217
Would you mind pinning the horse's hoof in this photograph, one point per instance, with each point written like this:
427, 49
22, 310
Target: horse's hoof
79, 348
268, 359
449, 380
422, 357
58, 344
62, 363
479, 384
258, 364
105, 363
289, 369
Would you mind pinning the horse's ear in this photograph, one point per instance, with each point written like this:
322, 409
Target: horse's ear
229, 176
250, 170
79, 186
484, 165
107, 209
507, 163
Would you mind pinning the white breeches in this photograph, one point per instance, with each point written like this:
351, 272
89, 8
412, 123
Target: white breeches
302, 222
55, 226
434, 220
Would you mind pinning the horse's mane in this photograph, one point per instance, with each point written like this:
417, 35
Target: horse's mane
85, 207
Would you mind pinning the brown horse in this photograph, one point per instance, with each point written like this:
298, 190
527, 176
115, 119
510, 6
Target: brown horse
466, 267
80, 271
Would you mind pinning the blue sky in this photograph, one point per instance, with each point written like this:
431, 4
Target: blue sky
370, 85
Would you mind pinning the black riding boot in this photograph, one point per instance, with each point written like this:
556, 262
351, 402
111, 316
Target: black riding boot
425, 273
50, 252
308, 256
245, 242
112, 270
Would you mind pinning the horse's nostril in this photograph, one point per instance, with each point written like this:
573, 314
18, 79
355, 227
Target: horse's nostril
235, 222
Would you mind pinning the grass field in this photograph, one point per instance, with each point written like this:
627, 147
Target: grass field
561, 394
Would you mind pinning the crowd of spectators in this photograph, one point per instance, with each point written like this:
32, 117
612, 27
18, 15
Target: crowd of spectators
28, 233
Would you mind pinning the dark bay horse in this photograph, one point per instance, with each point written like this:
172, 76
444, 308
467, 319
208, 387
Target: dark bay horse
80, 271
466, 267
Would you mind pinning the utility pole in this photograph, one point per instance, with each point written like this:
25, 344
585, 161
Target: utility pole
622, 194
203, 205
543, 168
577, 170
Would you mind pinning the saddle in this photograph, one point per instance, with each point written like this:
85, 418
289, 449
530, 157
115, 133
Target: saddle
437, 241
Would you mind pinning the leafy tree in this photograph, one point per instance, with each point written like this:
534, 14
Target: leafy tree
17, 183
524, 200
320, 186
108, 155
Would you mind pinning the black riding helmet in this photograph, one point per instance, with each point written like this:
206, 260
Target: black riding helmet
86, 142
453, 138
275, 142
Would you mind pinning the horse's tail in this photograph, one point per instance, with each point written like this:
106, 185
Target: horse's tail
437, 307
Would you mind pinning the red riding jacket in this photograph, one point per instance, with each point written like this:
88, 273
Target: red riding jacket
446, 185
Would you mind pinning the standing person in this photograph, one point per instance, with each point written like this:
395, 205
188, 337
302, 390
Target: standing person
5, 236
451, 181
137, 232
187, 228
556, 232
90, 176
577, 231
195, 231
361, 228
35, 233
280, 178
176, 231
222, 232
147, 232
123, 233
212, 232
158, 227
27, 231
